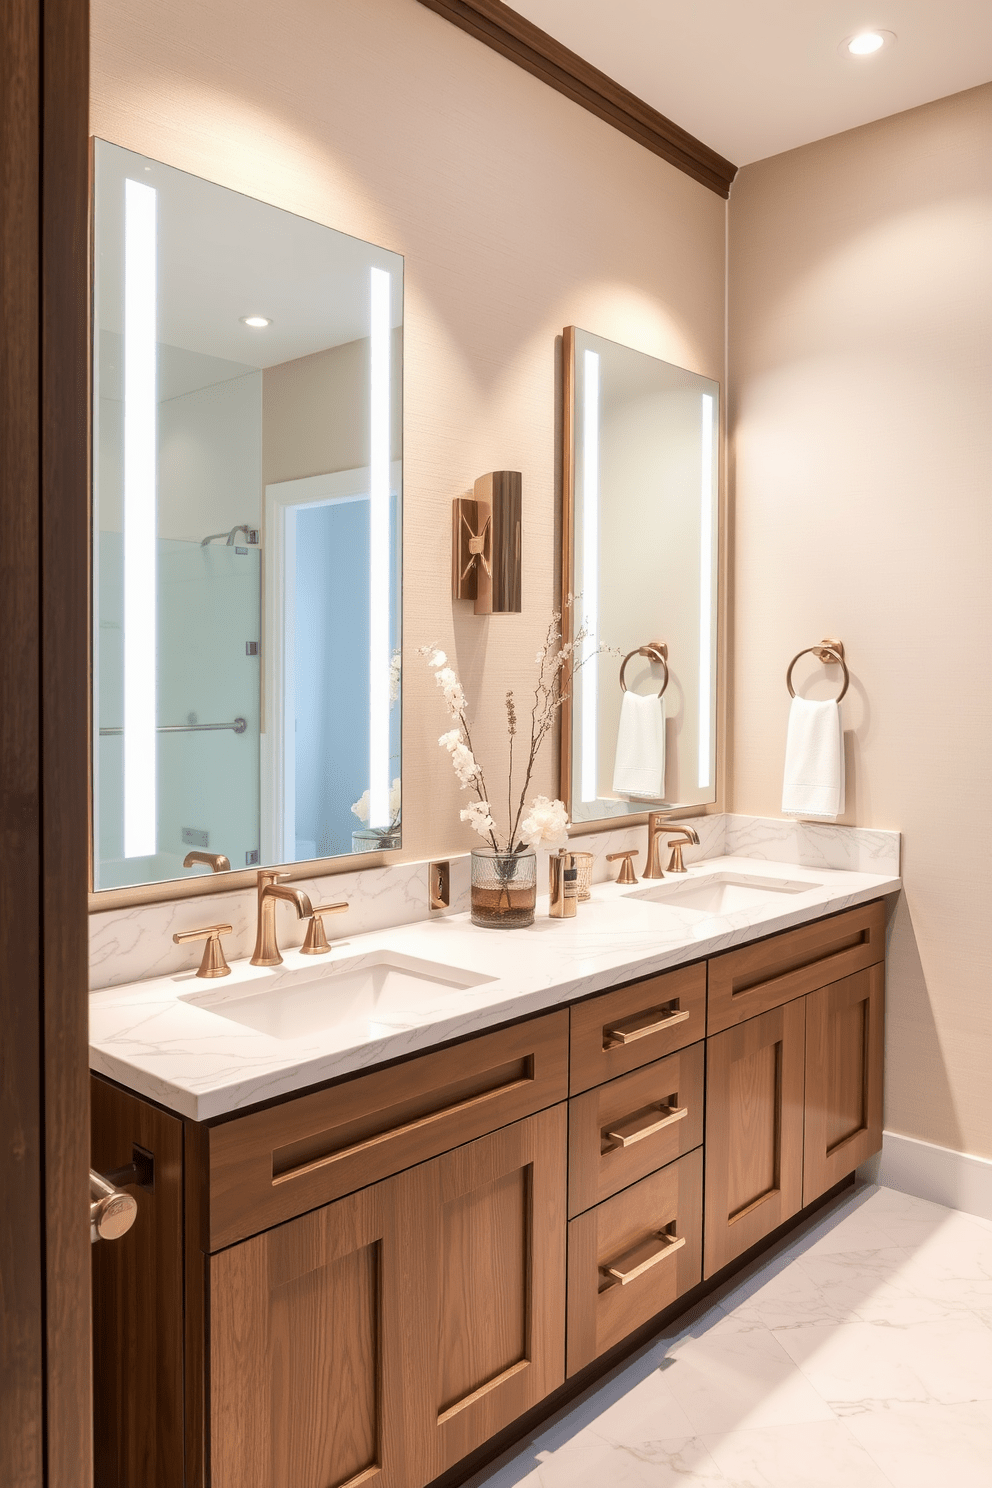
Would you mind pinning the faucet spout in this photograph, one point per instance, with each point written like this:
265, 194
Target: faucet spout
270, 890
304, 909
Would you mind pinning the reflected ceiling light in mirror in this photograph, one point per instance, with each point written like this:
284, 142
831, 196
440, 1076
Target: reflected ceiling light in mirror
866, 43
705, 589
140, 519
590, 573
379, 550
257, 322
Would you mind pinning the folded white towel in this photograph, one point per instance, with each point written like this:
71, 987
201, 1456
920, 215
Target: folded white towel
814, 761
639, 764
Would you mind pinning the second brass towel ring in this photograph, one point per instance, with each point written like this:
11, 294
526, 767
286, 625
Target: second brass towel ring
654, 651
830, 653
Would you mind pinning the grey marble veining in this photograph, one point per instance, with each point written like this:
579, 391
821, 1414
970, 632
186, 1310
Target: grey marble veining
813, 844
130, 944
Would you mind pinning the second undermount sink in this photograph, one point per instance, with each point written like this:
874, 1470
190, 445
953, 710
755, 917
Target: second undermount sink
721, 893
381, 987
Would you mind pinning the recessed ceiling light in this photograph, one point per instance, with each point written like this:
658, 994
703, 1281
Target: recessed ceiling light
866, 43
257, 322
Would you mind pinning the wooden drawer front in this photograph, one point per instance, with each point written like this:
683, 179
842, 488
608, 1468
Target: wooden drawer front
265, 1168
636, 1024
758, 977
845, 1053
754, 1131
620, 1132
632, 1256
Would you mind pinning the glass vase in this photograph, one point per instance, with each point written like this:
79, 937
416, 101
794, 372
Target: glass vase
504, 889
368, 839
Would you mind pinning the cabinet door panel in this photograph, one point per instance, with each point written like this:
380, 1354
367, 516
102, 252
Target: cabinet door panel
749, 981
633, 1256
754, 1131
845, 1052
497, 1284
621, 1131
318, 1352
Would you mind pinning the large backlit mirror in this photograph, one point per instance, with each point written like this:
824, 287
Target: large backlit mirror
247, 433
640, 536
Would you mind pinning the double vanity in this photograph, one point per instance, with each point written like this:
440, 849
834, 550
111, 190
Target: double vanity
403, 1192
396, 1193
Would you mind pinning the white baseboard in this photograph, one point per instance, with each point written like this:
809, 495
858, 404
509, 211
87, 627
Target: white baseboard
939, 1174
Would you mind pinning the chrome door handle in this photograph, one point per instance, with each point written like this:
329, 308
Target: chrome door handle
112, 1212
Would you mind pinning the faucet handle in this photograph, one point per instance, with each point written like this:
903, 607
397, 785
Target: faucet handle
316, 943
213, 963
626, 874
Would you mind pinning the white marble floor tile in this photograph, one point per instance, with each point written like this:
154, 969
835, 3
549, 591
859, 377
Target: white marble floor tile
817, 1454
858, 1353
921, 1446
858, 1367
737, 1374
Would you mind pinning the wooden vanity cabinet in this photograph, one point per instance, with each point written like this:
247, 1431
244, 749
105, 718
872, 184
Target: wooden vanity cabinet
362, 1284
382, 1337
794, 1094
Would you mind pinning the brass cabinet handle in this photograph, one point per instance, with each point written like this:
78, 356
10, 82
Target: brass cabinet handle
112, 1212
642, 1258
635, 1129
619, 1033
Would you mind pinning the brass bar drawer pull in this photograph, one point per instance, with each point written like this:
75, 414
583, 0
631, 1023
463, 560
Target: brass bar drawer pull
642, 1258
628, 1029
635, 1128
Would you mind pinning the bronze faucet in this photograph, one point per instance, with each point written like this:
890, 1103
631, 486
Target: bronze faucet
266, 951
216, 862
656, 828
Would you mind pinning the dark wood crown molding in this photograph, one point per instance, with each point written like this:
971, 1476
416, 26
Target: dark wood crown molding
508, 32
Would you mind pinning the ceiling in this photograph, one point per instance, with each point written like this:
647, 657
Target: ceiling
751, 78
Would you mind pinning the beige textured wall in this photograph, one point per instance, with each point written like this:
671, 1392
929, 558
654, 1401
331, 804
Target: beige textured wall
861, 373
518, 213
315, 412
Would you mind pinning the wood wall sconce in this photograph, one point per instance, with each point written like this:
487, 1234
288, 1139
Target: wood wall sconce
486, 544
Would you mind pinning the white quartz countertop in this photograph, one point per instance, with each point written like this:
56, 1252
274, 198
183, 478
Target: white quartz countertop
203, 1065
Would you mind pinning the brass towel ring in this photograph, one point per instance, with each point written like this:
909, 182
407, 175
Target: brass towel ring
654, 651
830, 653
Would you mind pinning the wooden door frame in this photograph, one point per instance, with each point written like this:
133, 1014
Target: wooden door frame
45, 1415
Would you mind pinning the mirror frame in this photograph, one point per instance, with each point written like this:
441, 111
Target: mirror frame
567, 565
236, 880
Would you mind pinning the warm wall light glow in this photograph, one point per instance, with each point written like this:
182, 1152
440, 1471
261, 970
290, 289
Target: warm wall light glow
706, 591
379, 550
589, 604
140, 520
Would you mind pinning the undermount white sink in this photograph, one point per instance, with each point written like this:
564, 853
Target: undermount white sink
721, 893
380, 987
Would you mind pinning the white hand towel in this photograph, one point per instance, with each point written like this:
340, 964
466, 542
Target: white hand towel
814, 761
639, 764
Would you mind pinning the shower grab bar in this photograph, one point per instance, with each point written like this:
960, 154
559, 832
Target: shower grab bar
238, 727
